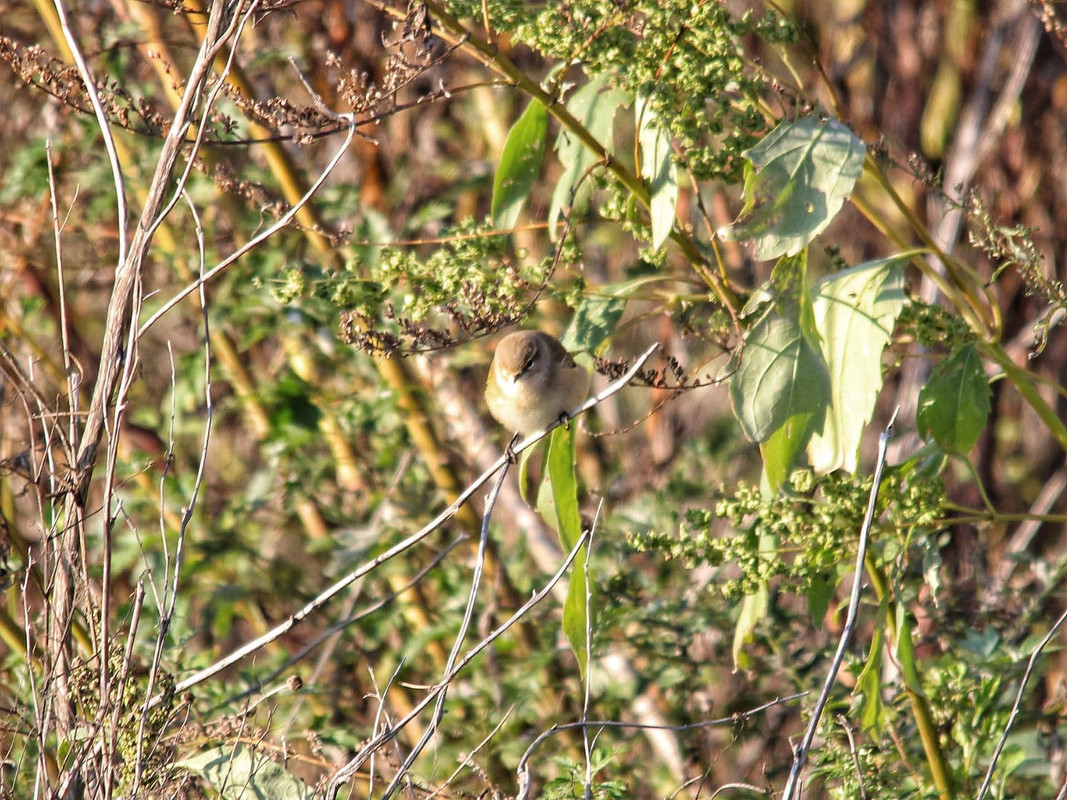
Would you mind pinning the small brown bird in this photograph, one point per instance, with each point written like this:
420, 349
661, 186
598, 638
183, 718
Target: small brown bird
532, 381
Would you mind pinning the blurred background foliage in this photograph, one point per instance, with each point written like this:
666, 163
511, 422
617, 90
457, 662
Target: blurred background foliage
345, 358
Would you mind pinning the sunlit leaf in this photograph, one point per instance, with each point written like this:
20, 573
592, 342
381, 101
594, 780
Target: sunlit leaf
658, 168
524, 470
855, 312
595, 109
780, 377
781, 449
868, 692
906, 650
520, 165
594, 321
576, 608
559, 467
797, 178
236, 772
753, 609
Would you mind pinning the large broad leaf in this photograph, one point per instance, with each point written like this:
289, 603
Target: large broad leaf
237, 772
855, 311
781, 378
954, 404
595, 319
658, 168
520, 165
595, 109
795, 183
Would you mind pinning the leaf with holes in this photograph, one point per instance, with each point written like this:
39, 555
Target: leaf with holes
796, 181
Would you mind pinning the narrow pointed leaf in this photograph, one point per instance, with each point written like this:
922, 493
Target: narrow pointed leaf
595, 109
753, 609
561, 473
906, 651
520, 165
658, 168
868, 692
568, 521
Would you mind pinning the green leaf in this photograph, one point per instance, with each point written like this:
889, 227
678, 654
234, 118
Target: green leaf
868, 692
780, 378
954, 404
753, 609
595, 320
932, 564
560, 467
576, 609
595, 110
782, 447
524, 471
780, 450
906, 651
855, 312
240, 773
1025, 755
819, 594
659, 169
520, 165
798, 177
568, 522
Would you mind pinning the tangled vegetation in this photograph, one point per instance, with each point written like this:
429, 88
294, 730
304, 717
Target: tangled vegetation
258, 536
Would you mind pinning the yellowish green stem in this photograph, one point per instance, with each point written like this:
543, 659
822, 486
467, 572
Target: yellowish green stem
924, 721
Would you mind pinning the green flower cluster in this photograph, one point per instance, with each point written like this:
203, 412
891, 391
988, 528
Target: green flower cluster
687, 58
805, 535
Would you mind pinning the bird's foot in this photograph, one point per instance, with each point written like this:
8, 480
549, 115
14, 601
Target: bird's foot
509, 451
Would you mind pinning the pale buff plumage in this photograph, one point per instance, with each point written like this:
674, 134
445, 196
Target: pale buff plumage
532, 381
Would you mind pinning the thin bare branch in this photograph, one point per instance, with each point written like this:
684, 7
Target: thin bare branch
121, 211
464, 626
523, 769
1023, 684
345, 773
406, 544
800, 756
253, 243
